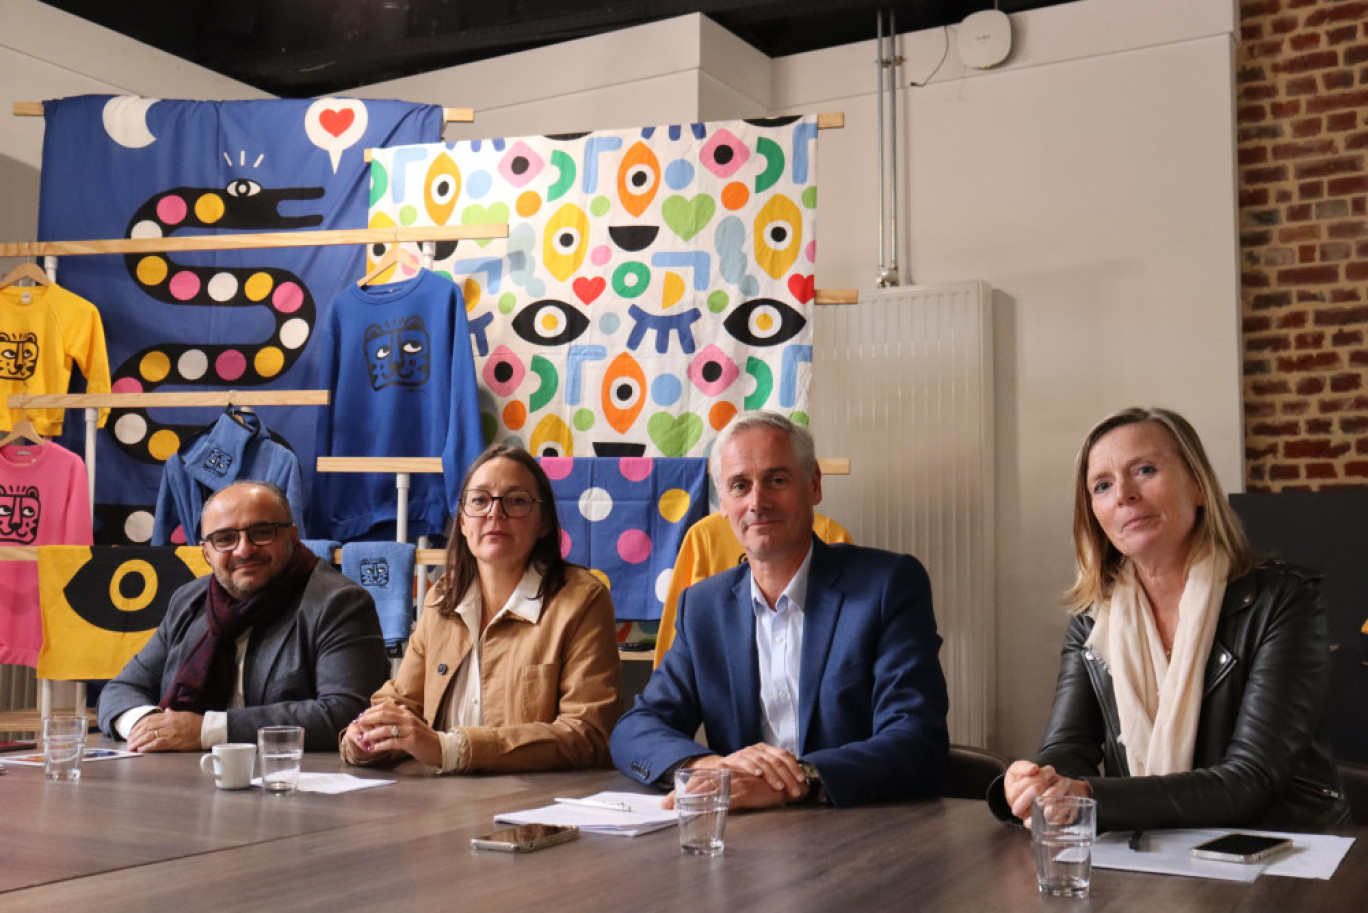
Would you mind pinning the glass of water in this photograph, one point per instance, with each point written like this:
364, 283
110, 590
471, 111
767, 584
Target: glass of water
63, 746
282, 752
1063, 829
702, 796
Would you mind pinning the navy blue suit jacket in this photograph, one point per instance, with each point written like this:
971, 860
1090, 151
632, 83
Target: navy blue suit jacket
872, 700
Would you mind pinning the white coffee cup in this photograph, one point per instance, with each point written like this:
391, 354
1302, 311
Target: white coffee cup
230, 764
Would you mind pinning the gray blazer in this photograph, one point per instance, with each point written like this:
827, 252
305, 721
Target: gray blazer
315, 666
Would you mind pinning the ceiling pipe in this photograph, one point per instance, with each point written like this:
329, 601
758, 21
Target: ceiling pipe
885, 64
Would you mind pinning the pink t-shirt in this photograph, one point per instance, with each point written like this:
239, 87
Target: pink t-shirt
44, 500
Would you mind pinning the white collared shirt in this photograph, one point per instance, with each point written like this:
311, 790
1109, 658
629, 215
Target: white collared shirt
779, 647
462, 704
214, 727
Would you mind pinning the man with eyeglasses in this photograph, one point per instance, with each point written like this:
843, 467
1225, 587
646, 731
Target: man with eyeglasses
813, 668
273, 637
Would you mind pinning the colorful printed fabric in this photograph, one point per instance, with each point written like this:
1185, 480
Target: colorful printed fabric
144, 168
101, 605
654, 282
624, 520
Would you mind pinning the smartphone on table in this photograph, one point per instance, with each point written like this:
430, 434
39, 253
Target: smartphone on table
524, 838
1241, 848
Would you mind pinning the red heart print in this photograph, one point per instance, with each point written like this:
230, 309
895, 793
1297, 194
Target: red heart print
802, 287
336, 121
589, 289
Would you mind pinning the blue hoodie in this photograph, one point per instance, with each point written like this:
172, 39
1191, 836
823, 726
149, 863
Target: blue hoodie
238, 446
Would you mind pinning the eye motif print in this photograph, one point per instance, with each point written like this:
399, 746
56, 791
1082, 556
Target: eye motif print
398, 354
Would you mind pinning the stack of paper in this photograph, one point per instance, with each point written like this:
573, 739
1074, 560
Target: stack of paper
619, 814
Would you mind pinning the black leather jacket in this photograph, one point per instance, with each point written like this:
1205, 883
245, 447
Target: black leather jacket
1259, 759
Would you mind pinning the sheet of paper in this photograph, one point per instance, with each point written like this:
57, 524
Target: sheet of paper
35, 759
332, 784
1169, 853
645, 816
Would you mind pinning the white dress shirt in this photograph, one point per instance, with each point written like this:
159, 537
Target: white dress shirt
214, 728
461, 707
779, 646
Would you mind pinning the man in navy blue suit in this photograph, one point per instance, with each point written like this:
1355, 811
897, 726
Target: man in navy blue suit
812, 668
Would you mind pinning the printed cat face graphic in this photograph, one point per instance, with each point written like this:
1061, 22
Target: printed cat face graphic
397, 353
18, 355
19, 514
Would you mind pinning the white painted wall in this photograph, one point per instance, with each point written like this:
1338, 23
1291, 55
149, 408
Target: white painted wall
46, 53
1090, 180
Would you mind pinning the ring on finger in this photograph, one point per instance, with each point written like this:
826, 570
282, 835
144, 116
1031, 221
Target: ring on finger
394, 731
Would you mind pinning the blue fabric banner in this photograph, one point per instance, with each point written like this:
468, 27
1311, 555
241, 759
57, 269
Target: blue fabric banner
228, 320
624, 519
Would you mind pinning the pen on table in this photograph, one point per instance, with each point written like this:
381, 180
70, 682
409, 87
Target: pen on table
598, 803
1139, 841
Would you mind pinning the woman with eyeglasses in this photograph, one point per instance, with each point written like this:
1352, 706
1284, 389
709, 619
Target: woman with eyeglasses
513, 665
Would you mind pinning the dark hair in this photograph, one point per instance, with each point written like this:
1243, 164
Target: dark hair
461, 567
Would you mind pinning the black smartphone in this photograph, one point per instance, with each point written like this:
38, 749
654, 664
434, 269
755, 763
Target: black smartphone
1241, 848
525, 838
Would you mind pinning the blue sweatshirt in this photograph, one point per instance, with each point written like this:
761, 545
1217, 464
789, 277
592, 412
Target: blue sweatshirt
398, 362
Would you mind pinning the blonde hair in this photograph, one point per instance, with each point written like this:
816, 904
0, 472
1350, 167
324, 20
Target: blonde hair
1217, 529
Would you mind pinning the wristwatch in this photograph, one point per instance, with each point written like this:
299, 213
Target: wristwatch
816, 792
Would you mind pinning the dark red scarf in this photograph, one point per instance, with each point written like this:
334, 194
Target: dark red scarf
207, 674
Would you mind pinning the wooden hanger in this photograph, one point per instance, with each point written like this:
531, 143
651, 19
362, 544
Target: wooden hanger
23, 430
395, 255
25, 270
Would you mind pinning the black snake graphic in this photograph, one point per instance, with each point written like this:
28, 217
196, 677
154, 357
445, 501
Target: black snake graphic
243, 204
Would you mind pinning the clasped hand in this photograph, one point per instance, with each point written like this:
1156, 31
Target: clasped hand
167, 730
393, 727
763, 776
1026, 780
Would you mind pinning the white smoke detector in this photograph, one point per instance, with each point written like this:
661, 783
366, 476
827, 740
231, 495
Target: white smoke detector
985, 39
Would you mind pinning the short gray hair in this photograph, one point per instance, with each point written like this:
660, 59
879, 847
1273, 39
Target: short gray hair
804, 447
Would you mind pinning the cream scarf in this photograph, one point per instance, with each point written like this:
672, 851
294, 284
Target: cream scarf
1159, 699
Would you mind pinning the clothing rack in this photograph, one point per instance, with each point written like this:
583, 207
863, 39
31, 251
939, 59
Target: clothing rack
94, 402
830, 466
449, 115
321, 238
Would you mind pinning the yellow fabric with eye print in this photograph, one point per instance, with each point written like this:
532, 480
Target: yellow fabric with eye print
102, 604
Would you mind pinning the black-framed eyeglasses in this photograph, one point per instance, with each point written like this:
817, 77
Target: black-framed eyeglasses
225, 540
516, 502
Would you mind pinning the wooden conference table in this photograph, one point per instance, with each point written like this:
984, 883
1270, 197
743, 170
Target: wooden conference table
153, 833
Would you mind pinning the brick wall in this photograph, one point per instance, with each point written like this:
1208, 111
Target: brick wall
1302, 97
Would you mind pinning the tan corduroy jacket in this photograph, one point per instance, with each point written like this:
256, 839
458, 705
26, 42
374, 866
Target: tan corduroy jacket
549, 690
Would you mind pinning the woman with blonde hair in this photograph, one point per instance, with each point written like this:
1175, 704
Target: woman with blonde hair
1194, 673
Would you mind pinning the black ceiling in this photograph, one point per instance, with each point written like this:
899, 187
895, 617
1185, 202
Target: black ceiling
300, 48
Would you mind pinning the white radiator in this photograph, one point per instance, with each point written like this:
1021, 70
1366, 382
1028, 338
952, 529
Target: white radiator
902, 384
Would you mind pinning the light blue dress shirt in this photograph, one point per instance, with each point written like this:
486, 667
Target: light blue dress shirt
779, 646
